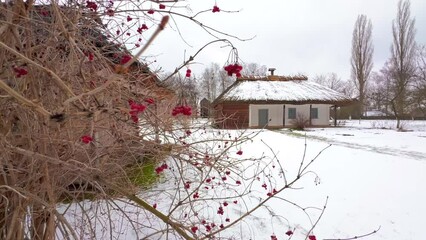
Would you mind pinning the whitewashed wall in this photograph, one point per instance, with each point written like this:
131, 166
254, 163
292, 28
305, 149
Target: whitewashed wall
323, 113
275, 112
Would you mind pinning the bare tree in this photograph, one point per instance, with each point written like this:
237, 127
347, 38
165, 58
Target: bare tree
225, 80
208, 83
333, 81
362, 57
254, 69
379, 90
403, 51
214, 80
419, 91
186, 89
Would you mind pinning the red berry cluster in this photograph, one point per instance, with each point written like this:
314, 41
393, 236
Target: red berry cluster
289, 233
312, 237
151, 11
135, 109
125, 58
234, 68
20, 72
196, 195
188, 73
220, 211
161, 168
141, 28
86, 139
44, 12
271, 193
149, 100
110, 12
185, 110
215, 9
162, 6
90, 56
92, 6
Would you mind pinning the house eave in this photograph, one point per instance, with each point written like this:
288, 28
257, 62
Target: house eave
339, 103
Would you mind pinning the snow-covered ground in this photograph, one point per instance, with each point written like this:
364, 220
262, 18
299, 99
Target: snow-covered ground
374, 177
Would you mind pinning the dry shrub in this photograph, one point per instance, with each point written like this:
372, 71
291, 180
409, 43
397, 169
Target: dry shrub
65, 121
301, 122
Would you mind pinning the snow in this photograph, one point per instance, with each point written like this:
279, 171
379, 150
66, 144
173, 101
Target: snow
374, 177
375, 113
264, 90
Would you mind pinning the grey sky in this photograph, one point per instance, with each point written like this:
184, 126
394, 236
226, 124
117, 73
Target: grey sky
295, 36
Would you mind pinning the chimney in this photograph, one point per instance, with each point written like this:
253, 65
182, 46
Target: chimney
272, 77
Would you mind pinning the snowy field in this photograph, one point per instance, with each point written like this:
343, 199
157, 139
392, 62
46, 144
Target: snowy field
373, 176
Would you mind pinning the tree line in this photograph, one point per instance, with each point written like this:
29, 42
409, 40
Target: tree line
398, 89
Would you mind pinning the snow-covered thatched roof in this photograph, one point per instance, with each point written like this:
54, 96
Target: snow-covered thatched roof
275, 89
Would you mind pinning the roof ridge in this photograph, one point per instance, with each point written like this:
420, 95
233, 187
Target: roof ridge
272, 78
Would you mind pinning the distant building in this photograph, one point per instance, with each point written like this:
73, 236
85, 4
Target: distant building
205, 106
275, 102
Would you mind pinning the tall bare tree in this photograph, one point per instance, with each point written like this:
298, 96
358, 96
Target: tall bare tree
419, 91
362, 57
403, 57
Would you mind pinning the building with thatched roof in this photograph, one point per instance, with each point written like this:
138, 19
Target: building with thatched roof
275, 102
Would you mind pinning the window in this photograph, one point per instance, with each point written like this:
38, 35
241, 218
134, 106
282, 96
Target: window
314, 113
291, 113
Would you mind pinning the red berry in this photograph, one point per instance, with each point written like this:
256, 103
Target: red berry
215, 9
86, 139
194, 229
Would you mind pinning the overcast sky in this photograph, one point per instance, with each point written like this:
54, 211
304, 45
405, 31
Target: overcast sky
295, 36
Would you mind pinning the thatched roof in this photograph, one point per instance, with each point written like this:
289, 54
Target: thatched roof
281, 90
89, 34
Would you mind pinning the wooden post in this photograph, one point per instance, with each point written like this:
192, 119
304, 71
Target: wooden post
335, 115
284, 115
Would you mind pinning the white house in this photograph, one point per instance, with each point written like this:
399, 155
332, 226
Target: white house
275, 102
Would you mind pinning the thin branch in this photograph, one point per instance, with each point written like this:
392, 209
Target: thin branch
356, 237
22, 99
160, 27
151, 209
320, 216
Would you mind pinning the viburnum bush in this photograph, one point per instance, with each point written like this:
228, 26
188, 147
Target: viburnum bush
94, 146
